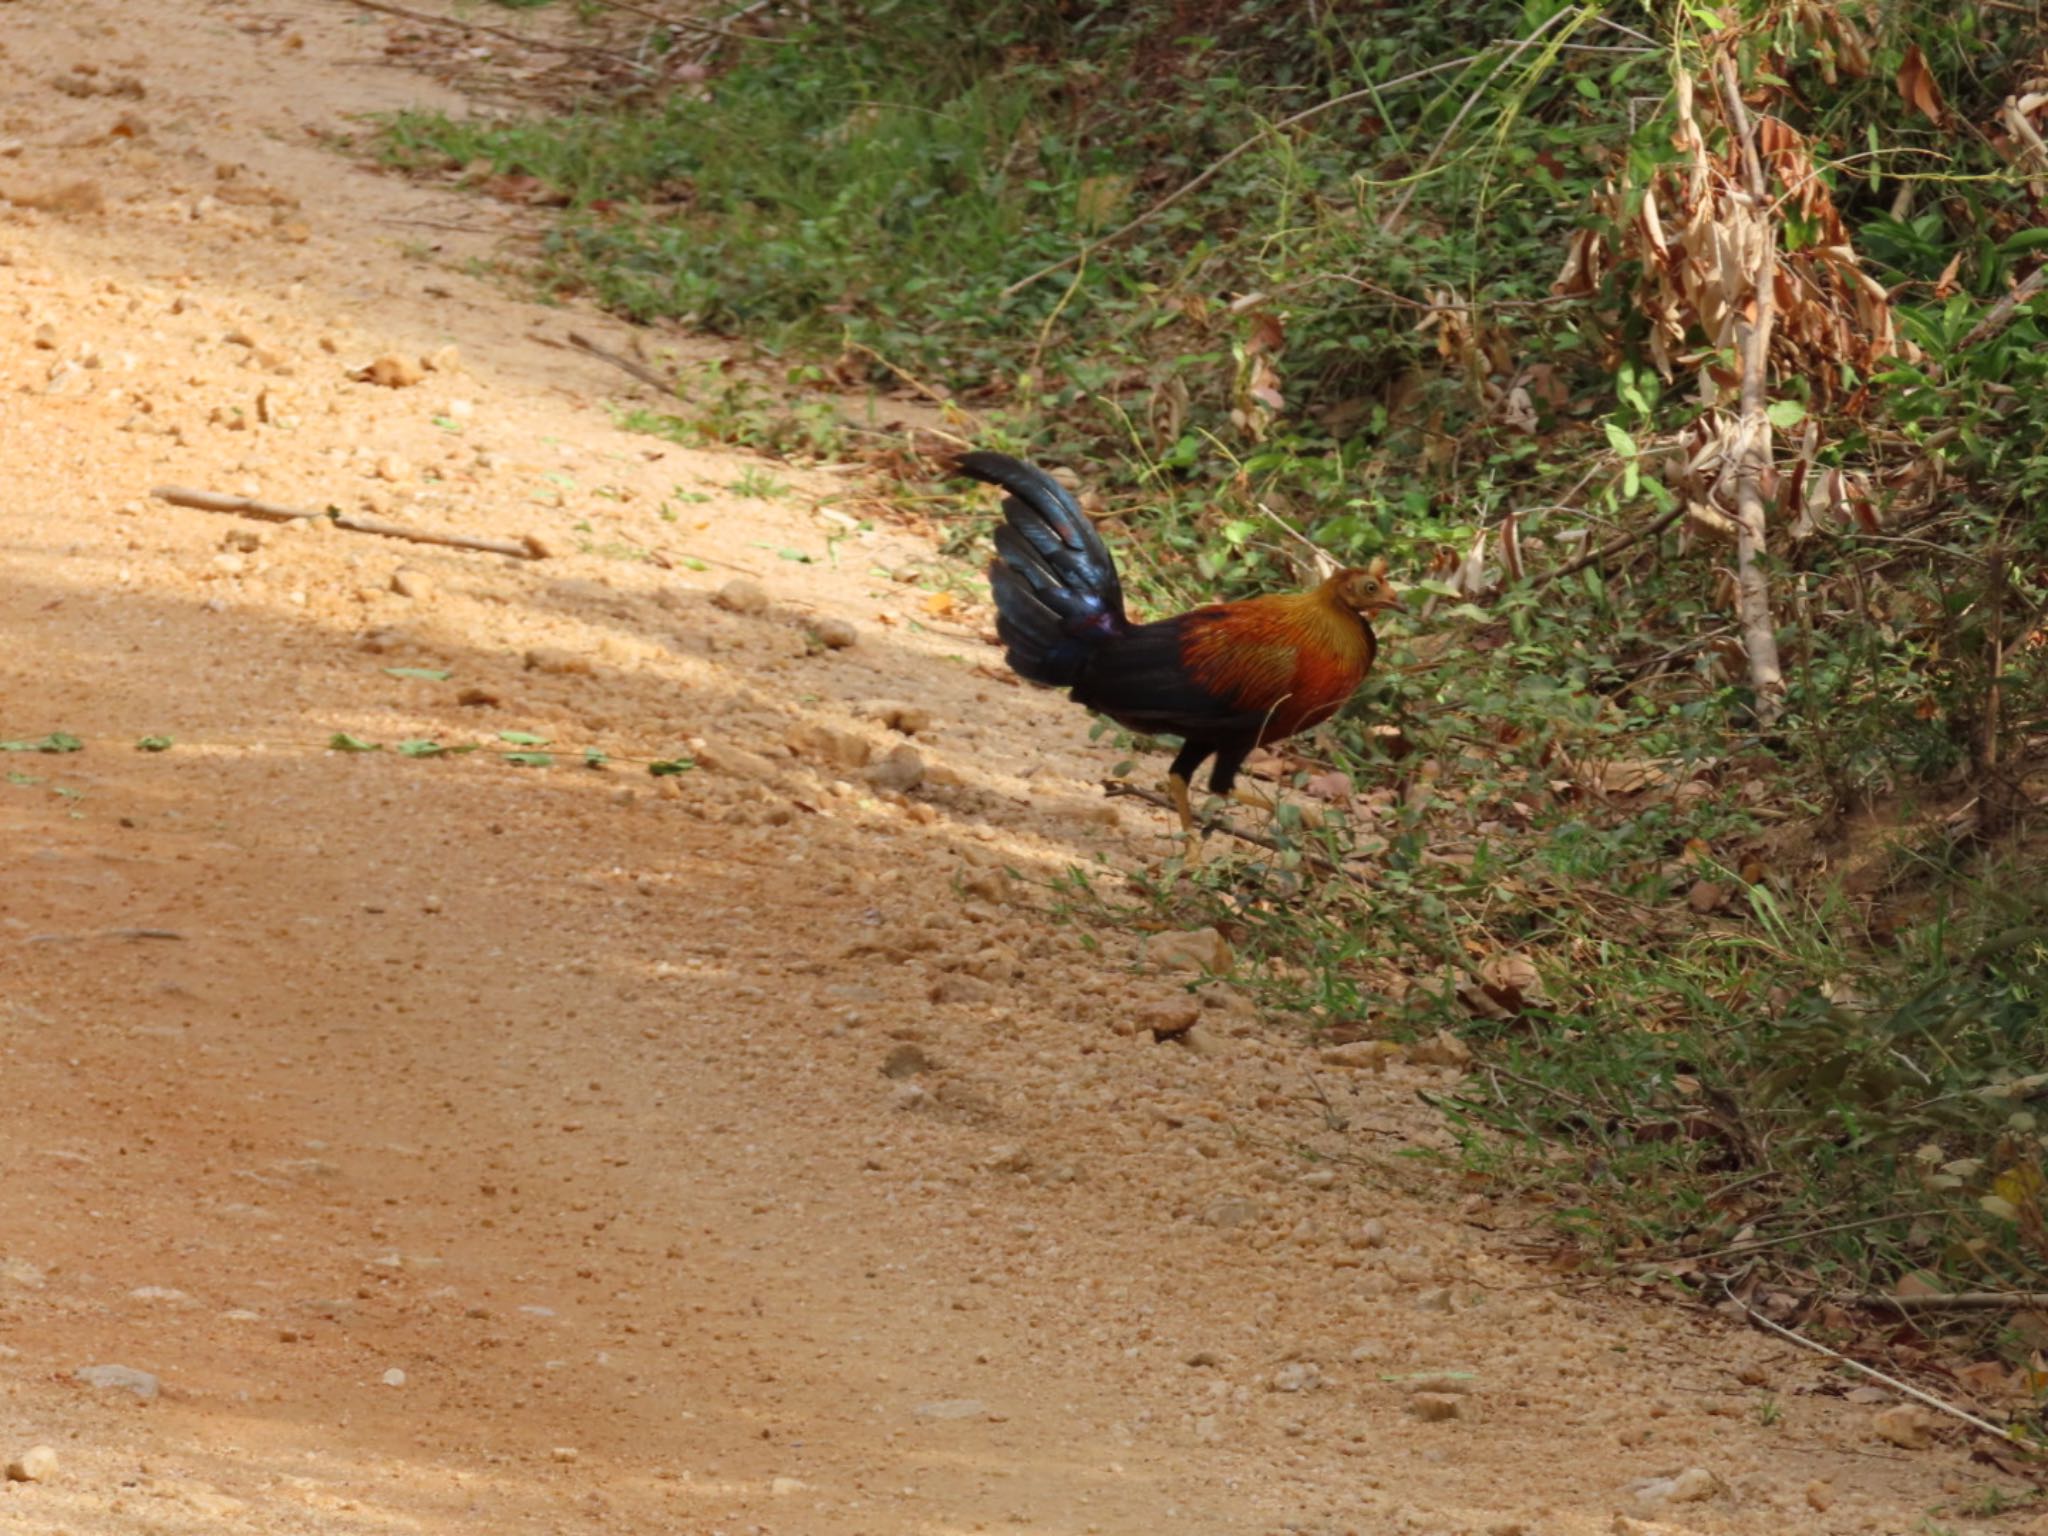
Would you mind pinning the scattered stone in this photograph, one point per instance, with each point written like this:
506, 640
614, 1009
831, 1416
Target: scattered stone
37, 1464
564, 1453
1436, 1407
900, 772
1236, 1212
119, 1378
1201, 1358
951, 1408
722, 757
741, 596
898, 716
828, 744
1819, 1495
1362, 1055
1371, 1233
407, 582
1446, 1050
394, 1377
905, 1061
541, 546
1007, 1159
783, 1487
1202, 950
1695, 1485
392, 370
158, 1293
1436, 1299
390, 467
560, 662
1903, 1425
1170, 1018
446, 359
834, 634
1295, 1376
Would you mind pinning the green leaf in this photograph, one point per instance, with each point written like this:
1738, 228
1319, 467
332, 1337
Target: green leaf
341, 741
530, 759
1619, 441
523, 738
1785, 414
56, 741
2025, 240
669, 767
154, 744
424, 674
420, 746
592, 758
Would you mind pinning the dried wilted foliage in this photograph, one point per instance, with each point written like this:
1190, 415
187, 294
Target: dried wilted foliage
1694, 242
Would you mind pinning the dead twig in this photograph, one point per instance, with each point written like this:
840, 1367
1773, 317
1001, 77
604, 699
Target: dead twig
1611, 548
1893, 1382
1997, 317
477, 27
1117, 789
1959, 1301
273, 512
639, 371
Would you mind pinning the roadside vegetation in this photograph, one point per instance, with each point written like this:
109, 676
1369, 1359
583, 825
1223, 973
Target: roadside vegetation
1696, 792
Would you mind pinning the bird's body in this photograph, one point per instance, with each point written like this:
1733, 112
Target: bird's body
1225, 678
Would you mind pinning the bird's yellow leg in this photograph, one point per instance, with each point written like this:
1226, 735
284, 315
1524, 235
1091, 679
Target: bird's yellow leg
1252, 798
1177, 787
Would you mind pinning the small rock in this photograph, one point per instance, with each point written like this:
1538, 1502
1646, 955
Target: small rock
951, 1408
390, 467
1903, 1425
898, 716
1371, 1233
1007, 1159
119, 1377
1201, 1358
564, 1453
1695, 1485
783, 1487
1202, 950
394, 1377
1819, 1495
393, 371
446, 359
905, 1061
1233, 1213
828, 744
562, 663
541, 546
1170, 1018
407, 582
230, 565
722, 757
1295, 1376
37, 1464
1436, 1407
834, 634
1361, 1055
158, 1293
900, 772
741, 596
1446, 1050
1436, 1299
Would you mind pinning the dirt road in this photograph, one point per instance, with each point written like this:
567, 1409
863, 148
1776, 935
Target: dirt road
468, 1146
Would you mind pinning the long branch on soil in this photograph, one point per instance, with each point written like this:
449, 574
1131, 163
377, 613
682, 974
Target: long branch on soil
1893, 1382
275, 512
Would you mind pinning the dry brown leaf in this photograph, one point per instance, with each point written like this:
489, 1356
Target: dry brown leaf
1916, 84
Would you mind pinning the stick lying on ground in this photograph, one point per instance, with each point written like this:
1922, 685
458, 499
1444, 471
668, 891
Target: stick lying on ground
270, 511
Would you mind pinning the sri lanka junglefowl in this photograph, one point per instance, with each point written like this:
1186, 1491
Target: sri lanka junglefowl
1225, 678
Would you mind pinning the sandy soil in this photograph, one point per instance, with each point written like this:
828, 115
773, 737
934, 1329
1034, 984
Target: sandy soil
469, 1146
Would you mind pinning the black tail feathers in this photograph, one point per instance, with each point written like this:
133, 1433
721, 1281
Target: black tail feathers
1056, 588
